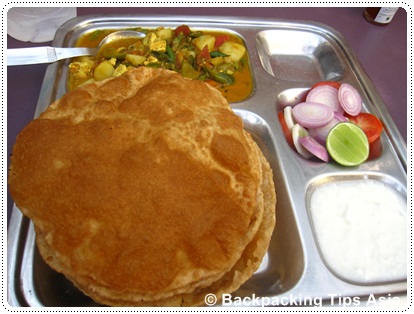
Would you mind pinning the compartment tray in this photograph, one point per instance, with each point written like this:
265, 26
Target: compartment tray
292, 267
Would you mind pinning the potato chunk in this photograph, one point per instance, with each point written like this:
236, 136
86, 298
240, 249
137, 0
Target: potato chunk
103, 70
203, 40
165, 33
135, 60
234, 50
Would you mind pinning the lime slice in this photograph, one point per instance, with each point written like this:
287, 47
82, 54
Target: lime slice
347, 144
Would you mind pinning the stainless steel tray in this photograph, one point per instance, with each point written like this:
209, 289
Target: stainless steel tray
286, 59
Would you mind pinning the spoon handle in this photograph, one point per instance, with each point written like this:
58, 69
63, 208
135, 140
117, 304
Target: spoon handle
36, 55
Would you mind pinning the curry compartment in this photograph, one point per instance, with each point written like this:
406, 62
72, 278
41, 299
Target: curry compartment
216, 57
284, 60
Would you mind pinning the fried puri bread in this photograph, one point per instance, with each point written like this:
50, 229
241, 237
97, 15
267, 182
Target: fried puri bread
145, 189
244, 268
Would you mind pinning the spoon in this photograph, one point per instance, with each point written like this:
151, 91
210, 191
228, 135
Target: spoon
36, 55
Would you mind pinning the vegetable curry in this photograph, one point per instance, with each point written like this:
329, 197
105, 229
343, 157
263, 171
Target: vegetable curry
218, 58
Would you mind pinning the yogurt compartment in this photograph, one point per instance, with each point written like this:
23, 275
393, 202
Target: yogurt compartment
360, 227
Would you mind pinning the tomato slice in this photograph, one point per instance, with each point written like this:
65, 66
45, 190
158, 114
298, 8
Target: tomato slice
182, 29
375, 149
330, 83
220, 39
285, 128
204, 55
369, 123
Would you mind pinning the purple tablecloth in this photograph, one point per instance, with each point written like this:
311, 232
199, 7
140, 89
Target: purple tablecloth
382, 51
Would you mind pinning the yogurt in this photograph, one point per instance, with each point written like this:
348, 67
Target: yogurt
361, 229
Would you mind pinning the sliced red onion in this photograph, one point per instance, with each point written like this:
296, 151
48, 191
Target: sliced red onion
312, 114
297, 133
321, 133
314, 147
350, 99
327, 95
340, 117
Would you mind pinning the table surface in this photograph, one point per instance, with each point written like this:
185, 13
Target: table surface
381, 50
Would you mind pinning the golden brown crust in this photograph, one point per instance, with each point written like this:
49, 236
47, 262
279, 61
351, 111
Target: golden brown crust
144, 193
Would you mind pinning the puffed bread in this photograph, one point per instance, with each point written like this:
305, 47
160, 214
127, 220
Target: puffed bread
145, 190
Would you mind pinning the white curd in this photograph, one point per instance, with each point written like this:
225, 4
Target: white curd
361, 230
